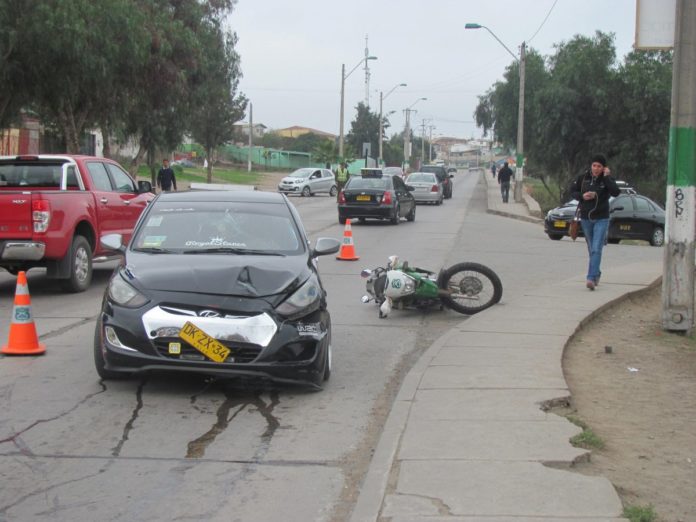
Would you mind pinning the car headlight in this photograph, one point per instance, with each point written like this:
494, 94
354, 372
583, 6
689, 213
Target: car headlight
124, 294
303, 301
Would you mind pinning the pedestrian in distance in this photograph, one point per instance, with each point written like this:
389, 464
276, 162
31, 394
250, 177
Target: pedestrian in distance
341, 177
493, 169
592, 189
504, 177
165, 177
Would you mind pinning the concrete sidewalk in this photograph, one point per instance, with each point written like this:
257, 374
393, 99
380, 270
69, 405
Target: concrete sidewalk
468, 438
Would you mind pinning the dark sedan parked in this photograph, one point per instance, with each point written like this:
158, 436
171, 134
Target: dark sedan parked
632, 217
220, 283
443, 176
376, 195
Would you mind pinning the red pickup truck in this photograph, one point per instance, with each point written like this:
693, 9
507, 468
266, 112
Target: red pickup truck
54, 209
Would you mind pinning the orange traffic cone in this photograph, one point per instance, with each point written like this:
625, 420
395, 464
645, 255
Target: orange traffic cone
347, 252
23, 339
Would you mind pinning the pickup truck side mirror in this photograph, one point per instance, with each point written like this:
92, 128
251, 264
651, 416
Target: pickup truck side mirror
144, 186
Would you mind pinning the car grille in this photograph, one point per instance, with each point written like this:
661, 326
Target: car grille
241, 352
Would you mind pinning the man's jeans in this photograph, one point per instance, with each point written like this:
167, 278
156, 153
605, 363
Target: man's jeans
505, 190
595, 235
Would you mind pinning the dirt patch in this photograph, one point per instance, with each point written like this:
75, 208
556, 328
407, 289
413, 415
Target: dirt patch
640, 399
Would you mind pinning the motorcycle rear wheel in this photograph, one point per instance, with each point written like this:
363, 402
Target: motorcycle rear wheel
471, 287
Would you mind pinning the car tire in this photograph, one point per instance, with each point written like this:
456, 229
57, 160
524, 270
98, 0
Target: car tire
396, 217
411, 216
613, 240
99, 363
306, 192
657, 238
80, 265
341, 220
333, 191
362, 220
555, 237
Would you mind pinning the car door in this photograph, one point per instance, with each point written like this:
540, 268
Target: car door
108, 202
315, 181
645, 217
131, 202
403, 196
328, 180
622, 223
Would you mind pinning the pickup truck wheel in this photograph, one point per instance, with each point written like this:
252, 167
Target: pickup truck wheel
80, 265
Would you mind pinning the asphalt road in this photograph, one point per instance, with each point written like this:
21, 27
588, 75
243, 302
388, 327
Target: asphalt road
172, 448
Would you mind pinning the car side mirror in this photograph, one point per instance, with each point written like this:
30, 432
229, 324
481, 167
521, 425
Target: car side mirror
113, 242
325, 246
144, 186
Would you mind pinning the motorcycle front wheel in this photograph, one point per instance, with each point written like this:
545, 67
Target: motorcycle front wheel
470, 287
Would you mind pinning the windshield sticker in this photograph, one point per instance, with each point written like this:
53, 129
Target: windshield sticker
215, 242
153, 241
154, 221
308, 329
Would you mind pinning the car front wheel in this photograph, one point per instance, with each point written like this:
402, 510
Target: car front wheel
333, 191
306, 192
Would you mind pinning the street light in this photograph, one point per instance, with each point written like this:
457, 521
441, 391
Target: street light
381, 130
407, 133
520, 110
343, 84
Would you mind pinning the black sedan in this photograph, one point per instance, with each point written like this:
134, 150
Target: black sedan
376, 195
221, 283
444, 176
632, 217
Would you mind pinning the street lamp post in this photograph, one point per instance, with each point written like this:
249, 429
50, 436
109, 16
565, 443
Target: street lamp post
343, 85
381, 123
520, 110
407, 133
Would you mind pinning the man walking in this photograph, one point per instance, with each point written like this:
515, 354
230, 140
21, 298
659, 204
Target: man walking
504, 176
341, 177
493, 169
165, 177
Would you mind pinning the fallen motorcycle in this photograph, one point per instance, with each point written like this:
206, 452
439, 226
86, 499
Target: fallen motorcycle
467, 288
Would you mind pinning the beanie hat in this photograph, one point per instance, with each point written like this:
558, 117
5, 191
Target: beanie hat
599, 158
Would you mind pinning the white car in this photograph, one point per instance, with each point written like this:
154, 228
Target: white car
309, 181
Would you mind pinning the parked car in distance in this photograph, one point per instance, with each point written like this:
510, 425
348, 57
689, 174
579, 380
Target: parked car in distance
184, 163
220, 283
443, 177
632, 217
376, 195
427, 188
309, 181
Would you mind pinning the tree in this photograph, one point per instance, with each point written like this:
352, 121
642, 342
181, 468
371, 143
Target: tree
216, 106
326, 152
14, 15
363, 129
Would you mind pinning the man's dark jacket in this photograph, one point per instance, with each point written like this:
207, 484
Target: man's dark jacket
165, 178
504, 174
604, 186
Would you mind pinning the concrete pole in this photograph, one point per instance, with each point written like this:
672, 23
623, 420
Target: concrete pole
381, 130
519, 198
407, 138
251, 135
678, 271
340, 132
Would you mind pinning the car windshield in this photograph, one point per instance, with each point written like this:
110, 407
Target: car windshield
302, 173
421, 177
368, 183
218, 228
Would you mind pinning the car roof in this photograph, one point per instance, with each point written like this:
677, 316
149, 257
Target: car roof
235, 196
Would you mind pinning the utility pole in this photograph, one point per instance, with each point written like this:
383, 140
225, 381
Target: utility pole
423, 141
520, 131
367, 75
430, 143
251, 135
678, 271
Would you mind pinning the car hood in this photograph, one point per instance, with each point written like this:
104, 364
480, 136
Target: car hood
218, 274
293, 179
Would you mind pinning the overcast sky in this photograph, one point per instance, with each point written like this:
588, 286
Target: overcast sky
292, 51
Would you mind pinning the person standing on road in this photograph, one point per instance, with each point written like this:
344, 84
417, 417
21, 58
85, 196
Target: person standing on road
165, 177
341, 177
504, 177
592, 190
493, 169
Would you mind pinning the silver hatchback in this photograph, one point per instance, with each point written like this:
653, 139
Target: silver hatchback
309, 181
